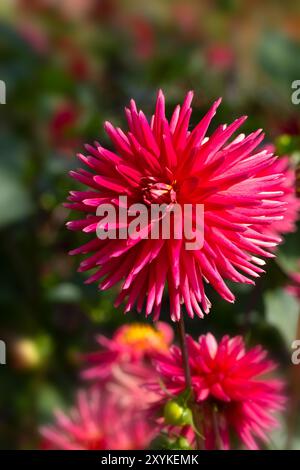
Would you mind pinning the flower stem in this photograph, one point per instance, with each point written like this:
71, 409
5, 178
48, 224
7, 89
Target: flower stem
188, 382
218, 440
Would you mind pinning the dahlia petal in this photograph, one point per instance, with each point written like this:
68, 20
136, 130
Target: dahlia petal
111, 184
226, 389
159, 115
174, 119
148, 135
168, 151
247, 196
198, 134
121, 145
174, 250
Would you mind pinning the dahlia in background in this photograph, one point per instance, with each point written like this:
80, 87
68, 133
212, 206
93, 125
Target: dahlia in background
113, 413
163, 162
98, 422
232, 393
132, 347
124, 363
291, 215
289, 198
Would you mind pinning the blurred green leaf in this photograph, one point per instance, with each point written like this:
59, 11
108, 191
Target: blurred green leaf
47, 399
279, 57
64, 293
278, 438
15, 202
282, 311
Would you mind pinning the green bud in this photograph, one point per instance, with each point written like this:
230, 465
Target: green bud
173, 412
177, 415
187, 417
284, 144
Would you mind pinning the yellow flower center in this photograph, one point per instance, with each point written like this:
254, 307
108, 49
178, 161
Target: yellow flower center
142, 337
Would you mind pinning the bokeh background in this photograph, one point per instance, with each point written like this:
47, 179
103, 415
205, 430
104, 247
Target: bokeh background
68, 66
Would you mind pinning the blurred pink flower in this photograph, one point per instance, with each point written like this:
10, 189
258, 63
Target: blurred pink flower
34, 36
98, 422
229, 389
166, 162
74, 59
62, 124
220, 56
289, 199
131, 349
143, 37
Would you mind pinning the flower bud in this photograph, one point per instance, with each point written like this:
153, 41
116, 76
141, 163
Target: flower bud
177, 415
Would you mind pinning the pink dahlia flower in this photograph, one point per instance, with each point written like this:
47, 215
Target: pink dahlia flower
231, 394
289, 196
288, 187
98, 422
124, 364
131, 348
164, 162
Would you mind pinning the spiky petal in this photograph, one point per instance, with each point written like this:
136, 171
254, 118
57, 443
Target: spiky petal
163, 161
230, 386
98, 421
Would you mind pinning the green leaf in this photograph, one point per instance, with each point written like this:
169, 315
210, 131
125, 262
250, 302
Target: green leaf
64, 293
278, 57
278, 438
47, 399
282, 312
15, 202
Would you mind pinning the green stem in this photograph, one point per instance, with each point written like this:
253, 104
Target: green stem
218, 440
188, 382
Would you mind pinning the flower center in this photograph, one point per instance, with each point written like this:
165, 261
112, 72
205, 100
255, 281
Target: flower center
142, 337
156, 192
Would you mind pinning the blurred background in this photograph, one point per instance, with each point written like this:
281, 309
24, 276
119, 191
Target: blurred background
68, 66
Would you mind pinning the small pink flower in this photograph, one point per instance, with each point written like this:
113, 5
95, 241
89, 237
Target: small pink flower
166, 161
124, 363
98, 422
229, 388
62, 125
131, 348
220, 56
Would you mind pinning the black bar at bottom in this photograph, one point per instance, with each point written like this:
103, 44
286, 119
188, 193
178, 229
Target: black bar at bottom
135, 459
